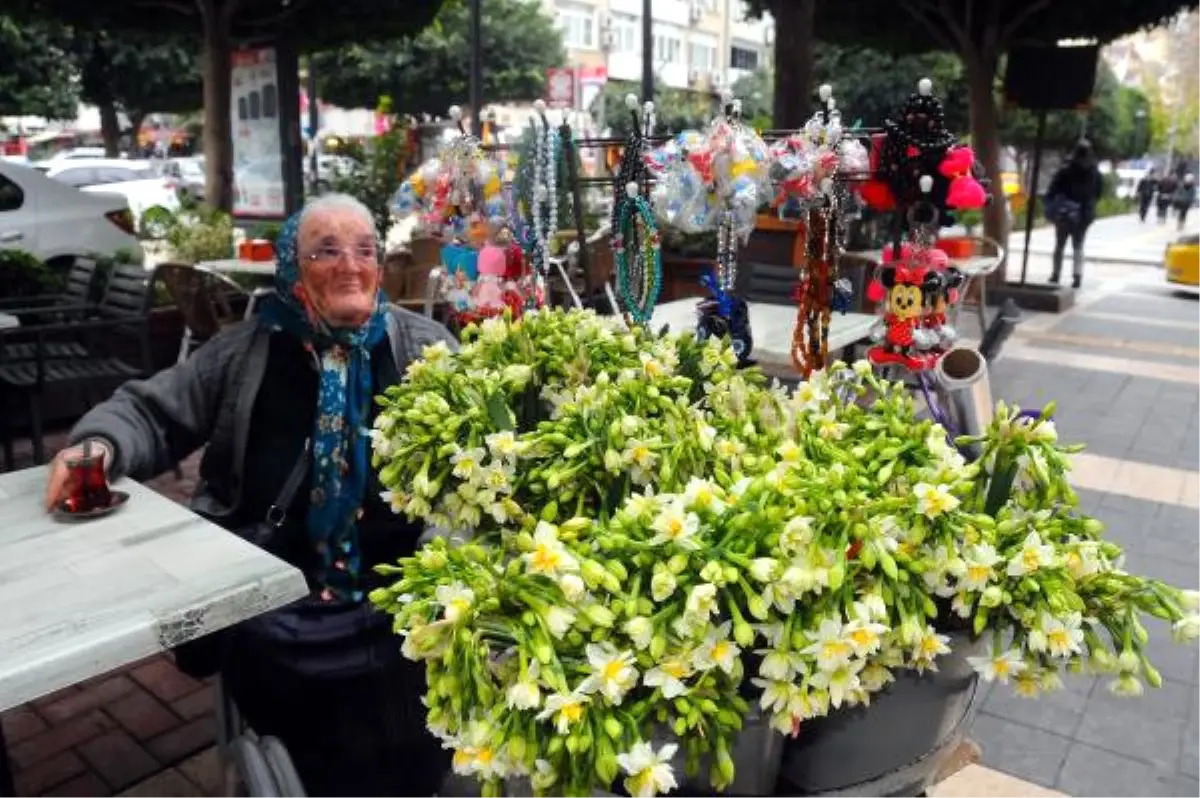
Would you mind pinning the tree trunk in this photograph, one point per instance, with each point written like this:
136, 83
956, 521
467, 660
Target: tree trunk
110, 129
136, 118
218, 138
793, 62
985, 138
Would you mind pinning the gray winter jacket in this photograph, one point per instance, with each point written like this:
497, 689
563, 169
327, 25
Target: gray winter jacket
207, 400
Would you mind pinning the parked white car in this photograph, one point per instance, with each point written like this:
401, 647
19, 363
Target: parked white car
58, 223
152, 198
72, 154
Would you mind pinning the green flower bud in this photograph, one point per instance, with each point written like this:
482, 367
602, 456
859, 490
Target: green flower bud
599, 615
612, 727
743, 634
758, 608
678, 563
658, 646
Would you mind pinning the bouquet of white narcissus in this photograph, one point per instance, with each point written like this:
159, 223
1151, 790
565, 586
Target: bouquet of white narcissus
812, 542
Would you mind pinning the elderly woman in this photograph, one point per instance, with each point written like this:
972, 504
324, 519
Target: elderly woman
325, 674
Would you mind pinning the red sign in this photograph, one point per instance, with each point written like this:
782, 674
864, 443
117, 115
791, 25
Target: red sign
593, 75
560, 87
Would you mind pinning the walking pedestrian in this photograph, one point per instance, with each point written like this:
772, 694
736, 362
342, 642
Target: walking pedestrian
1185, 195
1166, 195
1145, 192
1071, 206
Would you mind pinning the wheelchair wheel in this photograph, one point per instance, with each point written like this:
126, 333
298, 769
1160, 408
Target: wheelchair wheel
287, 780
252, 769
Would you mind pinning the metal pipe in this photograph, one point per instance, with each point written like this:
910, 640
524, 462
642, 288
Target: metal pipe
476, 68
647, 50
961, 376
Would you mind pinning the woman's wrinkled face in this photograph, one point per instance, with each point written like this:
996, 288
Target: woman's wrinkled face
339, 266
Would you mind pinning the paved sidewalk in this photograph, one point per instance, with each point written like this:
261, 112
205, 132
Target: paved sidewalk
1122, 366
1113, 239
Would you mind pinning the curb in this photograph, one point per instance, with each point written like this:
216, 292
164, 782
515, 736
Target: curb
1118, 261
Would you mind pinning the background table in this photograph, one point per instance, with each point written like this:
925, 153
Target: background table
8, 321
80, 599
771, 327
264, 268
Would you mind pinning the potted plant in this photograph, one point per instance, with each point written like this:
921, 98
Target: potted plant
651, 558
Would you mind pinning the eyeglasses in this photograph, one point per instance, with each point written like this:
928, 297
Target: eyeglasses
363, 253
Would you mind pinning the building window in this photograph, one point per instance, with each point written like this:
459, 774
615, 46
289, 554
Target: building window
626, 34
668, 48
578, 26
702, 56
743, 58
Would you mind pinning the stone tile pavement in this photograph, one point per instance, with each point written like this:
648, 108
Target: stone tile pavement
1126, 384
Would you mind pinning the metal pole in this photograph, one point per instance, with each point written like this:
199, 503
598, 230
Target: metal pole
647, 50
1031, 208
477, 67
313, 122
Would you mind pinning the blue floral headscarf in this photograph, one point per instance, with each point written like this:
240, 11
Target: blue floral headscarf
340, 436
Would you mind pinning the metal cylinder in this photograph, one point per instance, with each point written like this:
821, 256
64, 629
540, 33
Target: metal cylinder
961, 378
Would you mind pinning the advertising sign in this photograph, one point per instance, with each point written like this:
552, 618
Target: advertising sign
257, 143
560, 87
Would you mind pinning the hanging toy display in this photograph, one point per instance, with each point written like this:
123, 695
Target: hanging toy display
636, 245
802, 161
920, 173
457, 193
807, 165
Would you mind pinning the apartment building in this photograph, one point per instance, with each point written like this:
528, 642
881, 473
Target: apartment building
698, 44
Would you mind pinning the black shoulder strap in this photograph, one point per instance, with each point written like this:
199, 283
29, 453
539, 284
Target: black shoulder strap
277, 512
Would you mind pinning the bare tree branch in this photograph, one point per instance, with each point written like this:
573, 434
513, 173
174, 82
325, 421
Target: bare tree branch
951, 22
228, 10
919, 13
273, 19
1019, 18
970, 22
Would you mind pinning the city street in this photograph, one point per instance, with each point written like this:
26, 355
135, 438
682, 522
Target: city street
1122, 366
1114, 239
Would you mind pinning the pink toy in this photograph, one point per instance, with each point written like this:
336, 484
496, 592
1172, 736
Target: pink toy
493, 263
965, 192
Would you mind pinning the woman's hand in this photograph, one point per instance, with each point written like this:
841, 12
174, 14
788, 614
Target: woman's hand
58, 487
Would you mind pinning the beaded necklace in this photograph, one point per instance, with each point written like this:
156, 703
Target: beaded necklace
636, 245
543, 205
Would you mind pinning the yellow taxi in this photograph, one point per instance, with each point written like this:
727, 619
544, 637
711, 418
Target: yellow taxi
1182, 261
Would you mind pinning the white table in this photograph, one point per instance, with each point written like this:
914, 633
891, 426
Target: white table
78, 599
259, 268
772, 327
8, 321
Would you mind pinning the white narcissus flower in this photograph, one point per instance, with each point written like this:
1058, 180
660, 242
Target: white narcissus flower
780, 665
613, 674
544, 775
1083, 559
675, 525
525, 694
705, 435
790, 452
764, 569
549, 557
704, 496
1186, 629
565, 708
865, 637
870, 606
641, 631
797, 534
493, 330
1126, 685
717, 650
662, 585
640, 456
1044, 431
649, 771
963, 604
503, 444
810, 395
572, 587
497, 477
456, 598
979, 567
702, 601
1063, 635
559, 620
840, 682
830, 648
395, 499
641, 505
468, 463
934, 500
1027, 684
668, 676
828, 426
775, 694
874, 677
929, 648
1190, 600
1032, 556
999, 667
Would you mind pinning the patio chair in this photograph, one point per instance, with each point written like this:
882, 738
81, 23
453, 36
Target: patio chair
48, 355
262, 765
206, 300
76, 294
990, 255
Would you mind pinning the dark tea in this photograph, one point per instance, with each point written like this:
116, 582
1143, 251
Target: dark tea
88, 481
